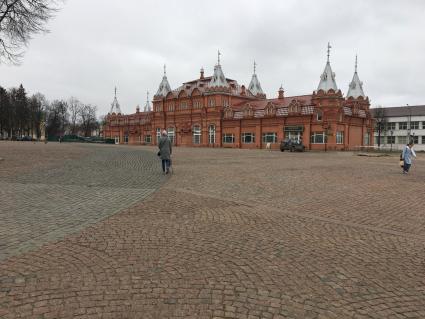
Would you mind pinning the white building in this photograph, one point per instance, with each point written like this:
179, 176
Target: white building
399, 125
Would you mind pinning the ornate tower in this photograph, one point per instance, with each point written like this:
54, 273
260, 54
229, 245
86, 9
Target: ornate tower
218, 80
255, 86
115, 106
164, 86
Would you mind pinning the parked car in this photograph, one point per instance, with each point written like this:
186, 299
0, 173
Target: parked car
292, 146
27, 138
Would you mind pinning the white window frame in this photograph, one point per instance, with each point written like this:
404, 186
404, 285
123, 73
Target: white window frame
211, 134
318, 138
319, 116
269, 137
402, 139
227, 136
251, 137
171, 134
366, 139
225, 101
340, 137
389, 138
391, 126
196, 134
158, 134
416, 125
404, 125
148, 139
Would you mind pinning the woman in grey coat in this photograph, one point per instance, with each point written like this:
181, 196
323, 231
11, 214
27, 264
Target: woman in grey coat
165, 150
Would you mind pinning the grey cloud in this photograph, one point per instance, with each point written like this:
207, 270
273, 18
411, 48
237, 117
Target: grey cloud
95, 45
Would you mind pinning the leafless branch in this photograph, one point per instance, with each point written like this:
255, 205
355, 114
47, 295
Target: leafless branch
19, 21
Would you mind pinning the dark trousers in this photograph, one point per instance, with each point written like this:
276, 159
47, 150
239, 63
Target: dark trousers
406, 167
165, 165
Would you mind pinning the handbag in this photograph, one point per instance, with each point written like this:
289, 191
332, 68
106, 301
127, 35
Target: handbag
401, 163
159, 153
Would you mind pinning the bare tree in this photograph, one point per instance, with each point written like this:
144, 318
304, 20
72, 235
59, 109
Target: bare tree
56, 118
19, 21
88, 119
75, 108
381, 122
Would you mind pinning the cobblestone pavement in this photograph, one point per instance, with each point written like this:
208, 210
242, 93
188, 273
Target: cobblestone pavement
240, 234
48, 191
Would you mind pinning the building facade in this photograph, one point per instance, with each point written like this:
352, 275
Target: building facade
216, 111
396, 126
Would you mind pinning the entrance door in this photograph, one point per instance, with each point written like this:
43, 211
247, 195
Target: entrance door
294, 136
117, 139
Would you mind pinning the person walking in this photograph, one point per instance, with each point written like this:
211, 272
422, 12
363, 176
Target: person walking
406, 155
165, 150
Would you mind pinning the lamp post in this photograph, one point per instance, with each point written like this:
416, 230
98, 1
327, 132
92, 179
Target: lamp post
391, 132
410, 122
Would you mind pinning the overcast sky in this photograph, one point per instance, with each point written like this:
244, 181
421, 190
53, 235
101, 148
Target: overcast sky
95, 45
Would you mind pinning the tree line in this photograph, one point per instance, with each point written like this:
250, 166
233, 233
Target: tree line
24, 115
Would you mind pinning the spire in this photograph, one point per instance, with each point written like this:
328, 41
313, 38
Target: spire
255, 86
355, 66
327, 79
115, 106
281, 92
355, 88
164, 86
218, 78
147, 107
329, 50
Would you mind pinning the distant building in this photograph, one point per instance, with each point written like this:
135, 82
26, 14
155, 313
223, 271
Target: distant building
216, 111
398, 125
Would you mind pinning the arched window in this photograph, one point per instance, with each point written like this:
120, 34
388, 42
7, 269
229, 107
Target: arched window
196, 134
211, 134
170, 132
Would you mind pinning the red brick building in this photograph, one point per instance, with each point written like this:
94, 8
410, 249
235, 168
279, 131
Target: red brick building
216, 111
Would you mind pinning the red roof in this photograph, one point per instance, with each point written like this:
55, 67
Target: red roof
261, 104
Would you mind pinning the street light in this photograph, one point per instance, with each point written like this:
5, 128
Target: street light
410, 122
391, 132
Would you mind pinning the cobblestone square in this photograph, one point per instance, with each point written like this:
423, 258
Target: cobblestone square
96, 231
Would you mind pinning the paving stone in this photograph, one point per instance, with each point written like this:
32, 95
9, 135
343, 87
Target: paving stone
230, 234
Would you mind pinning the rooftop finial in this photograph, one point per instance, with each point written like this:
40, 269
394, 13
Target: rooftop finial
147, 96
218, 57
255, 66
329, 50
115, 92
355, 67
165, 70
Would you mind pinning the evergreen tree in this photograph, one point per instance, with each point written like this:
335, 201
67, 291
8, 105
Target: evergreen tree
4, 112
19, 105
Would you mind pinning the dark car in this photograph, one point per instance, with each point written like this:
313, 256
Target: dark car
292, 146
27, 138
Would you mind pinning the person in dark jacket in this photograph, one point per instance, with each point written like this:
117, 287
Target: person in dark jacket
165, 150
